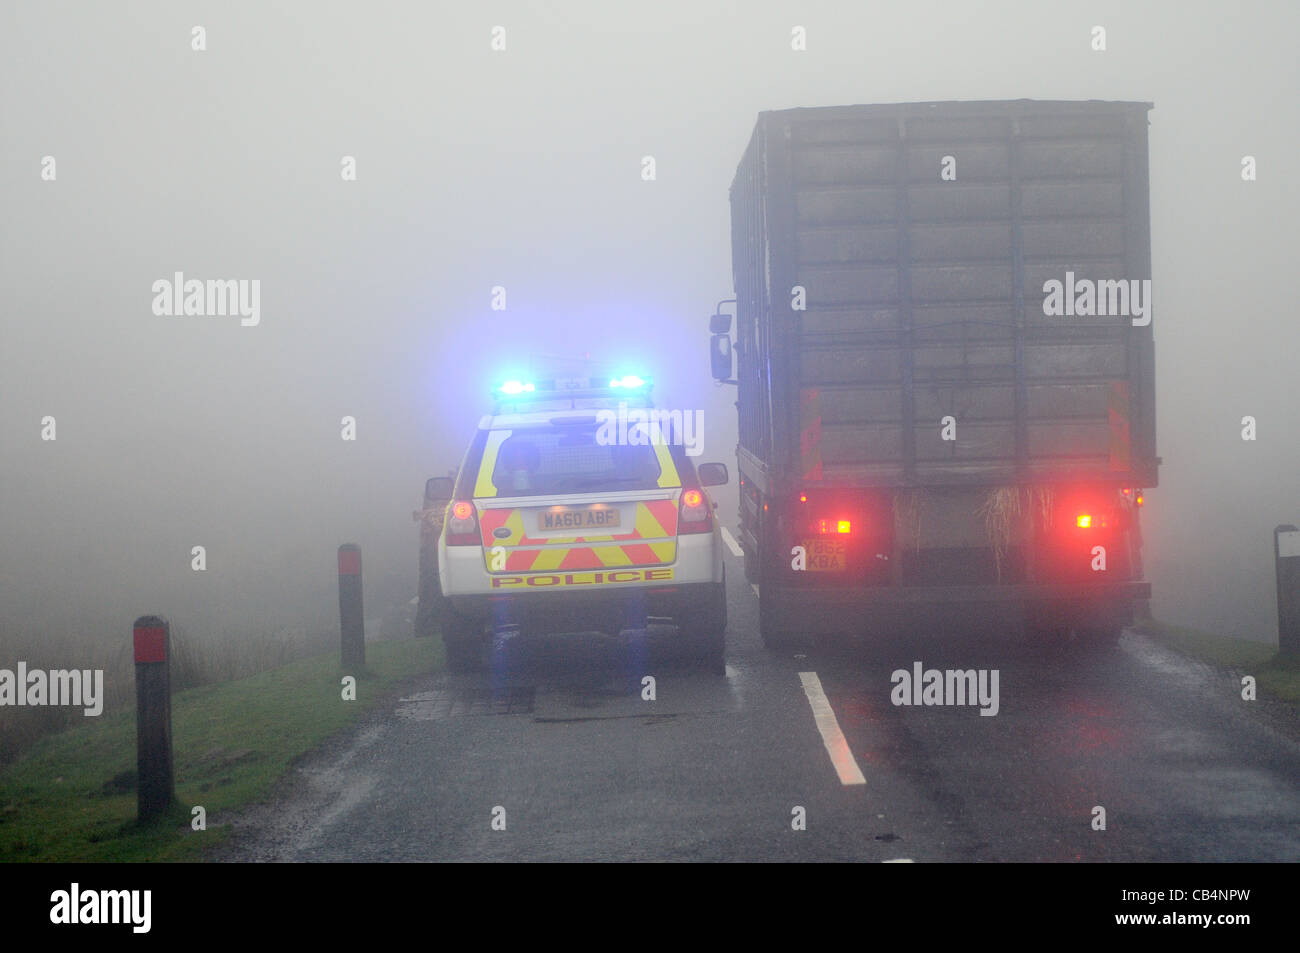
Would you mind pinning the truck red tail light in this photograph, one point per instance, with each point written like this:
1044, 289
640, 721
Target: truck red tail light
1084, 520
694, 515
829, 526
462, 525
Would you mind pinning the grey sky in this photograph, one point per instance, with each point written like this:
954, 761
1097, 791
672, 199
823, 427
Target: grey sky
522, 168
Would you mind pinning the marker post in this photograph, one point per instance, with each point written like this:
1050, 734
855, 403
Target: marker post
153, 713
1286, 555
352, 624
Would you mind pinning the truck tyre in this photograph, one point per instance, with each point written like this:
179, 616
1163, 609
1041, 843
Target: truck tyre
751, 564
707, 630
463, 640
1099, 638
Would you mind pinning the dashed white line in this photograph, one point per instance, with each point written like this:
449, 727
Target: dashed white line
837, 746
731, 543
754, 586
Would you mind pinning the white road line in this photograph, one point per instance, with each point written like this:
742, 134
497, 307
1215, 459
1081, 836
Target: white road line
754, 586
731, 543
836, 744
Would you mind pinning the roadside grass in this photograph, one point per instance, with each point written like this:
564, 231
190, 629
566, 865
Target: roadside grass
209, 656
1273, 674
72, 796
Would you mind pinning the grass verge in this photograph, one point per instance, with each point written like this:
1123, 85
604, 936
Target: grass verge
72, 797
1274, 675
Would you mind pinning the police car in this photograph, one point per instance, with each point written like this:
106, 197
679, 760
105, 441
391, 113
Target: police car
577, 509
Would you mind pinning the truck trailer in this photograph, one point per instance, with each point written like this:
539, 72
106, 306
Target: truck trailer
943, 352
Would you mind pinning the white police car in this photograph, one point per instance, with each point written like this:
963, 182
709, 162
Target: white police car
573, 513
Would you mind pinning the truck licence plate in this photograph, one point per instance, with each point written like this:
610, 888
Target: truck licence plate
577, 517
826, 555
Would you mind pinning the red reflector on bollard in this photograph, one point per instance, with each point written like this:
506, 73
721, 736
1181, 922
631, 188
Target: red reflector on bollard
349, 562
151, 644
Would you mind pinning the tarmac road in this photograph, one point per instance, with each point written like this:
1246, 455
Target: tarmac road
558, 745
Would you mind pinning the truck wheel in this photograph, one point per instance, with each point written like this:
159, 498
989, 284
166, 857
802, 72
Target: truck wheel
463, 640
1099, 638
707, 630
751, 565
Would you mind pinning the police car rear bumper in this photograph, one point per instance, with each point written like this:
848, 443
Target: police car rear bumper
563, 599
586, 609
462, 572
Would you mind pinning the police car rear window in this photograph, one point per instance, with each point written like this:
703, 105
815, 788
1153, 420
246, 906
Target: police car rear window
540, 462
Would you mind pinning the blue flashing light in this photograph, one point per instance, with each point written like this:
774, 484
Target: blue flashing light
629, 381
513, 388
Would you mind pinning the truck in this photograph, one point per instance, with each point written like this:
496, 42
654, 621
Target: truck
943, 355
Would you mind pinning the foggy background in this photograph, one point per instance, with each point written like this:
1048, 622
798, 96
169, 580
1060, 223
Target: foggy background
523, 169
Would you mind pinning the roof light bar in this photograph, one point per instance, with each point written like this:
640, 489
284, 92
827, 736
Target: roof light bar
514, 388
565, 388
628, 381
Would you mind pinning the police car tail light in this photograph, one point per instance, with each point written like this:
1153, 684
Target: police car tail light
462, 525
695, 514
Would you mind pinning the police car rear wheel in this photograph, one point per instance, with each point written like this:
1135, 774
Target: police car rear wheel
463, 640
708, 628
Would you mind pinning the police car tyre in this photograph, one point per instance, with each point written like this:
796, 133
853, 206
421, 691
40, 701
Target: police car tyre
713, 653
462, 657
712, 613
708, 630
463, 639
426, 622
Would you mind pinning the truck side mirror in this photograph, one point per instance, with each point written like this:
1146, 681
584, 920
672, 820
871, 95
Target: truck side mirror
720, 323
437, 489
712, 474
720, 356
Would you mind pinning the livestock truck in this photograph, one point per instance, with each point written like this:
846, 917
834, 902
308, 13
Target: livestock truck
943, 353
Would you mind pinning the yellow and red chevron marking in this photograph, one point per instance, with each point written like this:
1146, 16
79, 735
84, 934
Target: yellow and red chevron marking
652, 542
589, 557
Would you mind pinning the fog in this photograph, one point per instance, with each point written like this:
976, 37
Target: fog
522, 169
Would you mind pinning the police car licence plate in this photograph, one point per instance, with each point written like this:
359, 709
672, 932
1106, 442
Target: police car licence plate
577, 517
